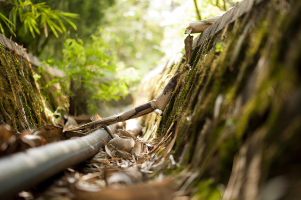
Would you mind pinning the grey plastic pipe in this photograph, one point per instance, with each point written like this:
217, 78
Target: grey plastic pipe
23, 170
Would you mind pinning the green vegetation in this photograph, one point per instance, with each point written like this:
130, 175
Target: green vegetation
51, 15
91, 74
103, 47
34, 15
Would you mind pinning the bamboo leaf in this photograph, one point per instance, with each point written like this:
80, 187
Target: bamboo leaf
43, 19
50, 24
28, 25
14, 17
61, 24
69, 22
20, 2
66, 14
20, 14
1, 28
8, 23
11, 17
5, 20
56, 26
34, 25
26, 3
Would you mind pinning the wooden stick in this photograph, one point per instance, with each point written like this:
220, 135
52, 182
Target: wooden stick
159, 103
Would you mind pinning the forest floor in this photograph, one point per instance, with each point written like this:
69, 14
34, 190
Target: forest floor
127, 167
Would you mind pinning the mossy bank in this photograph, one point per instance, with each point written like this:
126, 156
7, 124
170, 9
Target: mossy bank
237, 113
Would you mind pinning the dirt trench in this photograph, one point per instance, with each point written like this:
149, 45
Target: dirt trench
234, 120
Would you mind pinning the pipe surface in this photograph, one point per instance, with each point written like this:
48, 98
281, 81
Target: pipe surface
23, 170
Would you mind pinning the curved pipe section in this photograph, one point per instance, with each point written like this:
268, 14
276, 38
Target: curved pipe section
26, 169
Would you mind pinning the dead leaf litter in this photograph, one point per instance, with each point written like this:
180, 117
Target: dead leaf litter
126, 162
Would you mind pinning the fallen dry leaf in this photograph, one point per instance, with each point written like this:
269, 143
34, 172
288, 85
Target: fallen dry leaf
51, 133
126, 133
124, 154
14, 145
125, 144
70, 123
33, 140
133, 127
136, 175
5, 133
11, 142
139, 148
90, 182
108, 151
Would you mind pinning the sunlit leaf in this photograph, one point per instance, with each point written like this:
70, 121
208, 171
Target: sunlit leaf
8, 23
70, 22
34, 25
66, 14
20, 13
56, 26
29, 26
20, 2
5, 20
33, 14
50, 23
1, 28
62, 25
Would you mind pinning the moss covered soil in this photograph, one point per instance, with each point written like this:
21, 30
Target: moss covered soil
240, 103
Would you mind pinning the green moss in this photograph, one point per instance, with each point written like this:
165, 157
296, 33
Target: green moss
208, 190
20, 106
226, 151
258, 75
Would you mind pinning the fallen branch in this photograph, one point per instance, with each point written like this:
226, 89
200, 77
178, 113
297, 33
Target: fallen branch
158, 105
200, 26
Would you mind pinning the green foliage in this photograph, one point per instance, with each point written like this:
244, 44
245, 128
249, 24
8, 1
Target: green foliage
93, 66
33, 16
219, 47
36, 76
90, 16
208, 191
6, 21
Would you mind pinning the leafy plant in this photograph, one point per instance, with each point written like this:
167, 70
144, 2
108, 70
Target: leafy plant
219, 47
92, 72
33, 16
7, 22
